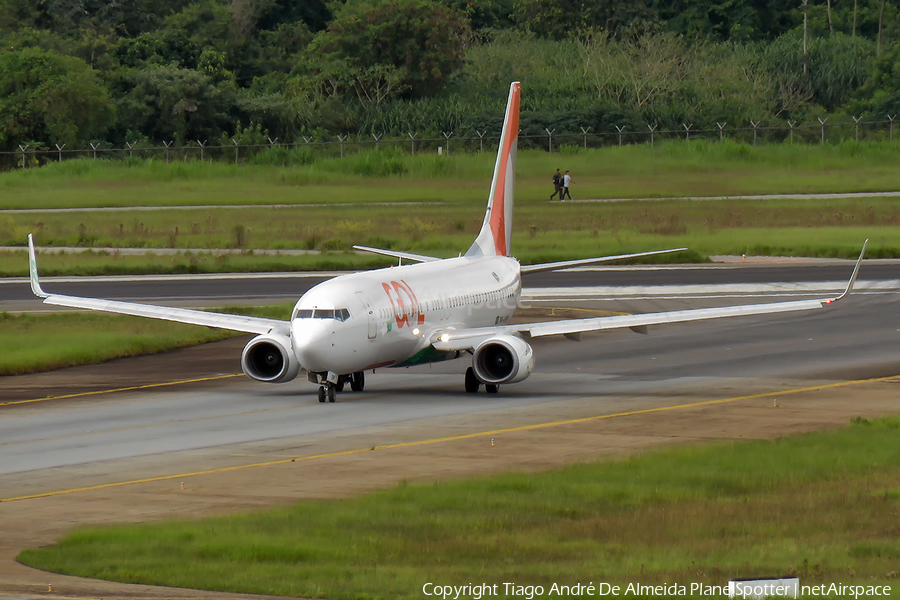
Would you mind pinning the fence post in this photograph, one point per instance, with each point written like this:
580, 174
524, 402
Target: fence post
168, 146
94, 148
131, 146
652, 129
481, 140
584, 132
856, 121
550, 138
891, 119
272, 143
60, 149
687, 130
23, 149
822, 124
620, 130
237, 147
202, 149
412, 141
377, 138
721, 130
342, 139
791, 125
755, 126
447, 137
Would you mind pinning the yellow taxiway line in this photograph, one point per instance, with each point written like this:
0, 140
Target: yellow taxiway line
492, 432
124, 389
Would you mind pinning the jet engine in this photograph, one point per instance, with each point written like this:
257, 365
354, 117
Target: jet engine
503, 359
269, 358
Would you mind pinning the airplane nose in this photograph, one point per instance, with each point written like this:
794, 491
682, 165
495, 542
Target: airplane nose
310, 344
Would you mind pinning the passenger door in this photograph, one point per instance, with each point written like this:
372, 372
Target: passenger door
370, 315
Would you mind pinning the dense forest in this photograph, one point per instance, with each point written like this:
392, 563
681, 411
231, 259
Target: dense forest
152, 71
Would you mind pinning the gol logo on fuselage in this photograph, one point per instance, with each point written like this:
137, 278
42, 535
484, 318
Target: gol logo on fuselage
404, 302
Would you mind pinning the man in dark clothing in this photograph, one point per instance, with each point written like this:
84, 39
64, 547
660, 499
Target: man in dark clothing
557, 184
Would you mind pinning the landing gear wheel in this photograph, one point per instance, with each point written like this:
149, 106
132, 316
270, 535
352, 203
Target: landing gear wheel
358, 381
472, 383
492, 388
329, 391
321, 393
339, 386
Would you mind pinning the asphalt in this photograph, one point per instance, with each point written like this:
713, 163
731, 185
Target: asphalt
146, 433
224, 290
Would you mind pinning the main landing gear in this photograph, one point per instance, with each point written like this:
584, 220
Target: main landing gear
328, 390
473, 383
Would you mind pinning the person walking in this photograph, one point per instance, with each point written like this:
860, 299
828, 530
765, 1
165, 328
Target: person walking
565, 187
557, 184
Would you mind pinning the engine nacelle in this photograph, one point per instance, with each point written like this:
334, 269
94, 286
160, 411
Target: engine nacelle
269, 358
503, 359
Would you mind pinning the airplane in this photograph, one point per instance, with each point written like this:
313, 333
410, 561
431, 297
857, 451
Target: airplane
428, 311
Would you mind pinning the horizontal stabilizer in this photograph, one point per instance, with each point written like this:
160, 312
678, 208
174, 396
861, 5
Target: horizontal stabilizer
395, 254
587, 261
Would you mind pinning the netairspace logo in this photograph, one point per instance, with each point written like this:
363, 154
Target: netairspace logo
477, 591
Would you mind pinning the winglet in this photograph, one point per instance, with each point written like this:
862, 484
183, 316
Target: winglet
32, 270
852, 277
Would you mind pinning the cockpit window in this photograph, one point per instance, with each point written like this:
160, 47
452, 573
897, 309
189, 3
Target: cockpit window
341, 314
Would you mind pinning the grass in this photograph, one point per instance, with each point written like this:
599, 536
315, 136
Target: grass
41, 342
822, 506
542, 231
450, 194
696, 168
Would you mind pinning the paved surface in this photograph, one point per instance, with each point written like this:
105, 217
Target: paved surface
217, 290
285, 445
847, 342
837, 196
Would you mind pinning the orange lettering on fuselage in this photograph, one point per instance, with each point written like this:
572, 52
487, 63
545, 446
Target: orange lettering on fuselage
403, 310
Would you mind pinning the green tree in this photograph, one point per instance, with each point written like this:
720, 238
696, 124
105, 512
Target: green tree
737, 20
168, 102
51, 98
485, 14
880, 96
556, 18
17, 14
379, 47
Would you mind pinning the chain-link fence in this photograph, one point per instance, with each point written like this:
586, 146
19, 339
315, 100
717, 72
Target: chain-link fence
550, 140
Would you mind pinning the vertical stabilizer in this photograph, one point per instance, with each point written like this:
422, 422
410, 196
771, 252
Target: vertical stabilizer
495, 234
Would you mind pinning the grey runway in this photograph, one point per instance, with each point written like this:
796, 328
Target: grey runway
262, 288
157, 432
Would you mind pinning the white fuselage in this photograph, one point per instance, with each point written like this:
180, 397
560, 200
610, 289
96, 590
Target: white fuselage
390, 317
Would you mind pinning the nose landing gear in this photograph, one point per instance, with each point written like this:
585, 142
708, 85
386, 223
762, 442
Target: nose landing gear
327, 391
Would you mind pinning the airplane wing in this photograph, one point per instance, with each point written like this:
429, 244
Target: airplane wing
180, 315
586, 261
395, 254
467, 339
